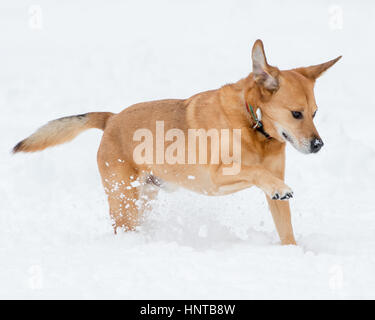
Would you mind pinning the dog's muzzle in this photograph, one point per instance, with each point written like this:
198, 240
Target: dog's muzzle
316, 144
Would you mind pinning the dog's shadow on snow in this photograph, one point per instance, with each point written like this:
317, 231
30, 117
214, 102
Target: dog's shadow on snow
201, 233
202, 222
208, 233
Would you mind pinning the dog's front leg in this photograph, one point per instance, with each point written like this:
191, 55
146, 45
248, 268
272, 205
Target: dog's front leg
280, 210
256, 175
277, 193
281, 216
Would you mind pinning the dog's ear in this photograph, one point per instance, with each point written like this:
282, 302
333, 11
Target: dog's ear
265, 75
314, 72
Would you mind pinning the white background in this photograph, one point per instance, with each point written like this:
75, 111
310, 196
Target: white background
56, 239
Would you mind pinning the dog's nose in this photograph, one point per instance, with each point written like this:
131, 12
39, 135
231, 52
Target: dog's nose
316, 145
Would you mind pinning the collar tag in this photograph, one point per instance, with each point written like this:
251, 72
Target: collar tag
257, 117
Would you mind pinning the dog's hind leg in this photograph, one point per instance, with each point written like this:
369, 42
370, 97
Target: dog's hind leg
149, 190
121, 184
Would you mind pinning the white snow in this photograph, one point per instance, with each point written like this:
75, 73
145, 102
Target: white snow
135, 184
56, 239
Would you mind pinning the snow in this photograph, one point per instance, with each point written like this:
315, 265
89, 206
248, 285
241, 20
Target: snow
56, 239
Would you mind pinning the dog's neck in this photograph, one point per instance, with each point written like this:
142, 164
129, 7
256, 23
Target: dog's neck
235, 98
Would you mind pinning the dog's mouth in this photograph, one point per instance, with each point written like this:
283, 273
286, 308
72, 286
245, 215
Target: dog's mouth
287, 137
301, 147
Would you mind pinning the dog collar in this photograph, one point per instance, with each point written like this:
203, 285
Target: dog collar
258, 126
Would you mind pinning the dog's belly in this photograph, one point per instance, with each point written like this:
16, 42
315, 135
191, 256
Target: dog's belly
160, 183
231, 188
205, 187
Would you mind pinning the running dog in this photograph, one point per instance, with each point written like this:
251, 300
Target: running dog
267, 108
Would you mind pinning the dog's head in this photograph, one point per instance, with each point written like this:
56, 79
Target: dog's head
287, 102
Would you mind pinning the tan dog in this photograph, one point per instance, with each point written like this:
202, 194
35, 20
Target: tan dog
287, 104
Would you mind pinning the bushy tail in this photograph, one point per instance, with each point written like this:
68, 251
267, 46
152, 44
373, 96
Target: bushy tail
62, 130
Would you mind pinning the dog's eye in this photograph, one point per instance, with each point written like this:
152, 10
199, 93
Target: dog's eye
314, 114
297, 114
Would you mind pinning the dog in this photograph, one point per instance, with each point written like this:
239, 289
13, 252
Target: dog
267, 109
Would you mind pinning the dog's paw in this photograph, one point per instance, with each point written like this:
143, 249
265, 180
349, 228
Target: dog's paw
282, 196
281, 192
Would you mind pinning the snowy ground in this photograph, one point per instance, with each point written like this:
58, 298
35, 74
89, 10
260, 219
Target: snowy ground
55, 235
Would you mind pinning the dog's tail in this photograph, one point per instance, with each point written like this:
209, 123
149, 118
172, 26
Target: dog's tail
62, 130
